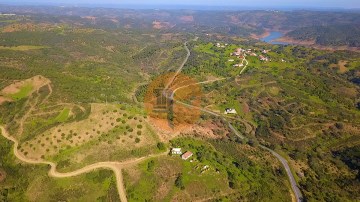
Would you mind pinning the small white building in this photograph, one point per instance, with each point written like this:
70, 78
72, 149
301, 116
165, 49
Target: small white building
231, 60
176, 151
230, 111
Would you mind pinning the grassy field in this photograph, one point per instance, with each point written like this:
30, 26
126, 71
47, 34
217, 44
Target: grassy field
23, 92
63, 116
210, 174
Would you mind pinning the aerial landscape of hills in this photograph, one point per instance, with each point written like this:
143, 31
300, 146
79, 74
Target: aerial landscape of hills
129, 104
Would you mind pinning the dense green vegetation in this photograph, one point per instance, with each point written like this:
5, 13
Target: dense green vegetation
335, 35
218, 167
303, 103
304, 107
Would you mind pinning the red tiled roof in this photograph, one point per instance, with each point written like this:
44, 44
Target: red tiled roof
186, 155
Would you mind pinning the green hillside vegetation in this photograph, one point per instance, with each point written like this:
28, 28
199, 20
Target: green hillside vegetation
296, 106
218, 171
335, 35
23, 180
303, 103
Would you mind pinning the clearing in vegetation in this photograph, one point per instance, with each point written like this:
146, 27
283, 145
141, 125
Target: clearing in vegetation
22, 89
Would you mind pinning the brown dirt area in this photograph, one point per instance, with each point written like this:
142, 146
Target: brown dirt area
234, 19
342, 68
187, 18
160, 25
93, 18
36, 82
348, 92
4, 99
167, 172
246, 108
2, 175
167, 133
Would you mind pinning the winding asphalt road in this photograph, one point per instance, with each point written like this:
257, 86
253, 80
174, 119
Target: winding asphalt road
294, 186
117, 166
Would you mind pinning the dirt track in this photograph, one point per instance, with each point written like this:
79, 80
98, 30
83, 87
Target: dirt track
114, 166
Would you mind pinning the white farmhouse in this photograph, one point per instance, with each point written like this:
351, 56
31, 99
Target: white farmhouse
230, 111
176, 151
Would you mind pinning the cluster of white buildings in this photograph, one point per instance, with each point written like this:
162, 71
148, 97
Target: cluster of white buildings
219, 45
263, 58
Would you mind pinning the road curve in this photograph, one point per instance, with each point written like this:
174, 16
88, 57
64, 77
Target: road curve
294, 187
182, 64
114, 166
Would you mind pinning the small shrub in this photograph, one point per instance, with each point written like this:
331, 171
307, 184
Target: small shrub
179, 182
160, 146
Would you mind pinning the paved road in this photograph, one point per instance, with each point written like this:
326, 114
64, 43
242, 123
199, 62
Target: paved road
182, 64
294, 187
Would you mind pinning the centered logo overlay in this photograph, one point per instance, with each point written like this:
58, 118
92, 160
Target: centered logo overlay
174, 101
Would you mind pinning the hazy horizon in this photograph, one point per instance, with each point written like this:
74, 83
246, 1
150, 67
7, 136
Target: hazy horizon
346, 4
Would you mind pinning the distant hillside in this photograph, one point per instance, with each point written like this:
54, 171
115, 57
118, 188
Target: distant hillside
336, 35
239, 23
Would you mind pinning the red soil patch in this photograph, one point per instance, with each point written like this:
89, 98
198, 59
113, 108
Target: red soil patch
160, 25
3, 99
92, 18
246, 108
234, 19
2, 175
174, 114
36, 82
187, 18
342, 68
